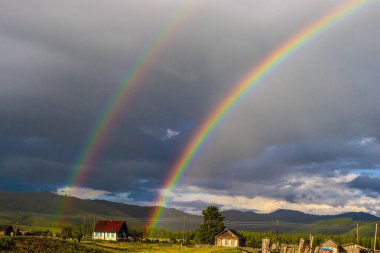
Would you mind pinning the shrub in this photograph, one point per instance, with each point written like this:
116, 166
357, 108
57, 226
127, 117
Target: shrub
7, 243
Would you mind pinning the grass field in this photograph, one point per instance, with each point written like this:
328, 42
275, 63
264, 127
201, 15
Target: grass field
48, 245
153, 247
41, 228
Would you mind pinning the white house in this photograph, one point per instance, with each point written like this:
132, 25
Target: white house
110, 230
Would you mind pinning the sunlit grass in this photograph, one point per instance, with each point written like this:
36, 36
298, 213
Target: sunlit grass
152, 247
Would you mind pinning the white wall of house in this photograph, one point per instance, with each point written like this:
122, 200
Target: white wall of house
98, 236
229, 243
108, 236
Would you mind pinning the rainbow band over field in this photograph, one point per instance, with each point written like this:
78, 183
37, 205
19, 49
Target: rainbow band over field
262, 69
116, 104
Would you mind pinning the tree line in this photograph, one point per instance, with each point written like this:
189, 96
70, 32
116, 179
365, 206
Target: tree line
213, 224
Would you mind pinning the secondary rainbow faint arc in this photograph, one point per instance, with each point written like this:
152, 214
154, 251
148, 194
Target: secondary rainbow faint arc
263, 68
110, 113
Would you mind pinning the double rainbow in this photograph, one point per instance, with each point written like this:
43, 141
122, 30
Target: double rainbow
117, 103
247, 83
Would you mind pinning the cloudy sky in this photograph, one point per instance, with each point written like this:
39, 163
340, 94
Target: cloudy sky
307, 137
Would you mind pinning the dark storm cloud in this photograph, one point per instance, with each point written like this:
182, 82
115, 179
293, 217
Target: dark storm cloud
367, 184
312, 157
305, 117
294, 172
315, 115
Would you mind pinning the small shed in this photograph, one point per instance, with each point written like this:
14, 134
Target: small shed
353, 248
229, 238
110, 230
329, 246
6, 230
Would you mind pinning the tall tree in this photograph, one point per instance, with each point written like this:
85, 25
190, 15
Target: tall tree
211, 226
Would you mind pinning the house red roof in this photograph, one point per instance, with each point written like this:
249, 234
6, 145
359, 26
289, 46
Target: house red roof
108, 226
6, 228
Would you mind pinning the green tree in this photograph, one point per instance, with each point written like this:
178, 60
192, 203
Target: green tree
211, 226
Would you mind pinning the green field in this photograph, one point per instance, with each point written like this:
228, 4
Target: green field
47, 245
153, 247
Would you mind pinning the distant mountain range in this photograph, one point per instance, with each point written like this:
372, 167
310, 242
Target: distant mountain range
41, 209
295, 216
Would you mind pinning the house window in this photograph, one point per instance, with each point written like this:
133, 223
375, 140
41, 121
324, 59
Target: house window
225, 242
232, 242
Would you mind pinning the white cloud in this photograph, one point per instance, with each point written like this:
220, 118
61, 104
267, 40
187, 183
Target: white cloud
367, 141
170, 133
125, 197
81, 192
267, 204
88, 193
317, 195
160, 134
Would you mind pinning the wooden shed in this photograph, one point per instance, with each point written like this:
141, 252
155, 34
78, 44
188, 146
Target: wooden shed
110, 230
328, 246
6, 230
229, 238
353, 248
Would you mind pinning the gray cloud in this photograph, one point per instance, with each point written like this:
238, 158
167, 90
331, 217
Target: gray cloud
368, 184
309, 117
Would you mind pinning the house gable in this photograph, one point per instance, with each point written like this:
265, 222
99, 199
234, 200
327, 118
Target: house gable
6, 228
229, 233
329, 244
226, 234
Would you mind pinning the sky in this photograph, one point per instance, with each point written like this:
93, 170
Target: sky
306, 137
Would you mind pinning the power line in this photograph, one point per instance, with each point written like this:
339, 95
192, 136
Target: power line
194, 220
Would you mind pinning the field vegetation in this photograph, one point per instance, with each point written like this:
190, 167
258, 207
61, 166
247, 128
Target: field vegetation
75, 238
159, 247
27, 244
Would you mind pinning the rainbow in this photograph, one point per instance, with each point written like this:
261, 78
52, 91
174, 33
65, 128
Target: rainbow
116, 104
247, 83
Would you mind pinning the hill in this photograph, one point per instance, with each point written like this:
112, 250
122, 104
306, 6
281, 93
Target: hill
290, 221
295, 216
45, 209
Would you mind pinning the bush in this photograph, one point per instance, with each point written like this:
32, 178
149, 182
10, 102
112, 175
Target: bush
28, 244
7, 243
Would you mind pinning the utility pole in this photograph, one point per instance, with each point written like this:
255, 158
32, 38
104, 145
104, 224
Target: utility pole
277, 230
357, 233
18, 221
84, 225
184, 231
93, 228
374, 244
